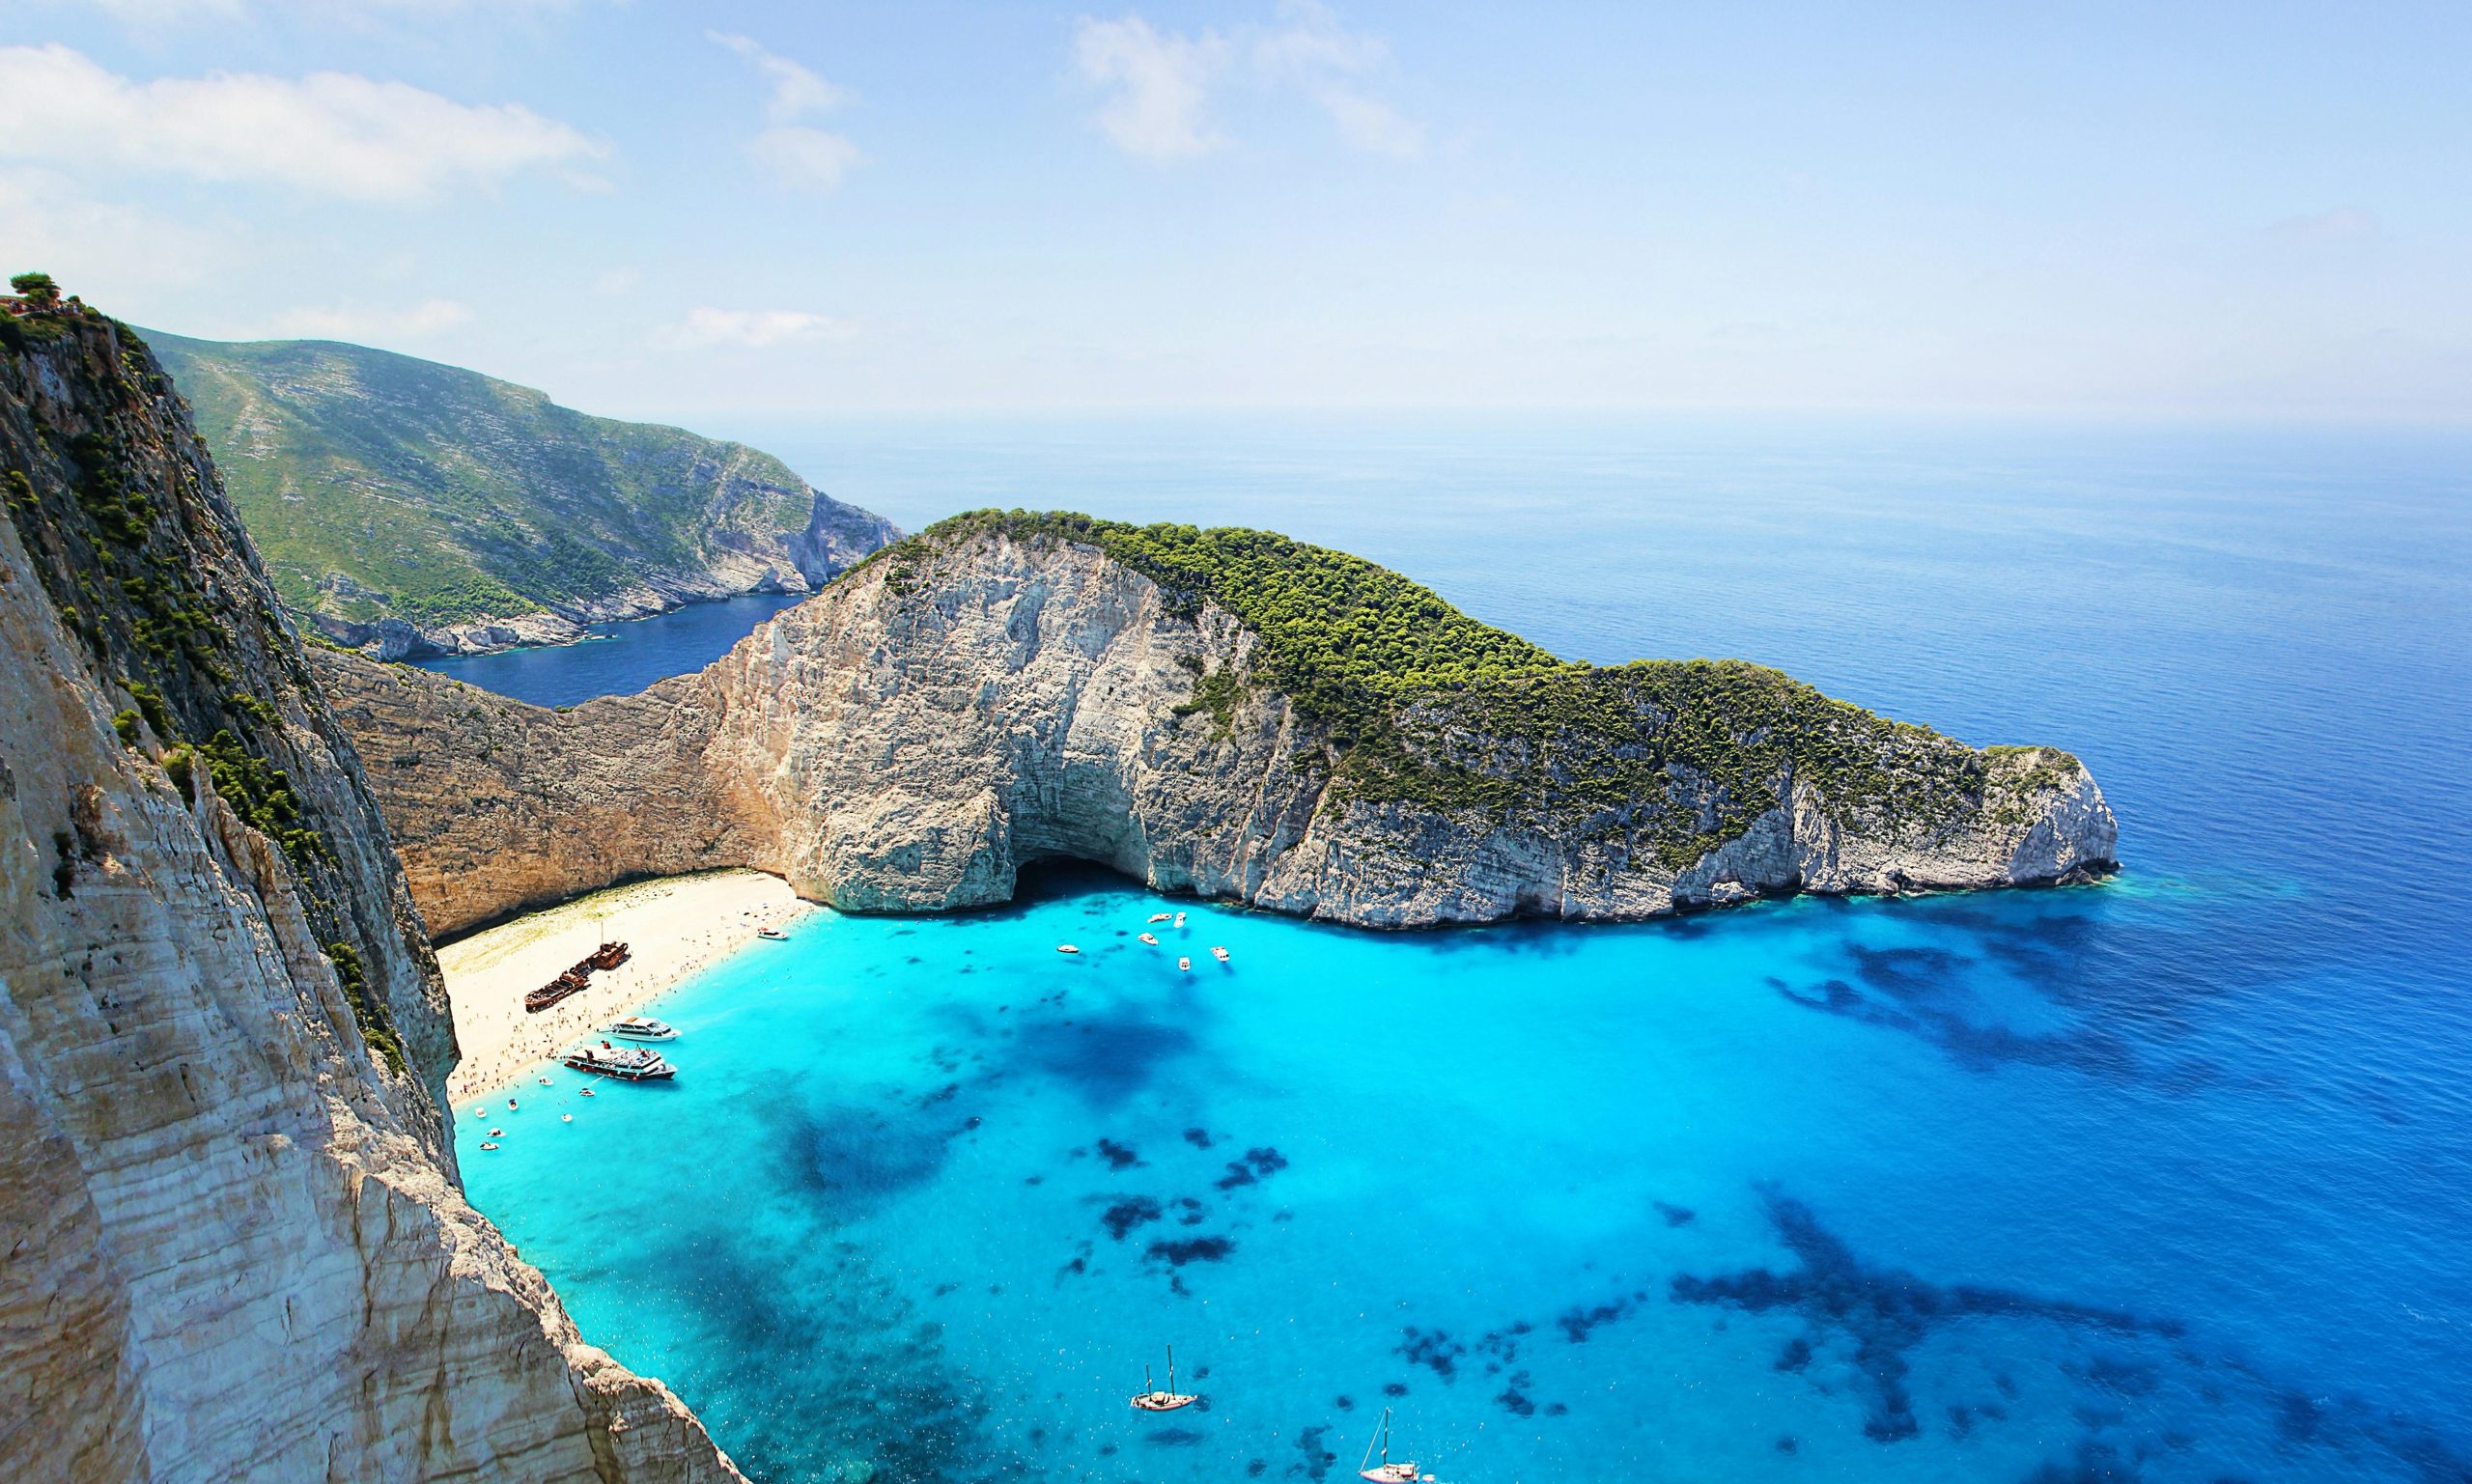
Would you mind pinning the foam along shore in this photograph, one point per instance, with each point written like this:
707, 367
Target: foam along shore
673, 927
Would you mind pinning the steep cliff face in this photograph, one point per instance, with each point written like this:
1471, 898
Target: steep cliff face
1002, 692
410, 507
236, 1244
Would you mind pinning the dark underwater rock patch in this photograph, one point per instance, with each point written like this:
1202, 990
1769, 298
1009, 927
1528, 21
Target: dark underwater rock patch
1132, 1212
1433, 1349
1317, 1458
1885, 1313
1257, 1164
1119, 1156
1179, 1251
1576, 1324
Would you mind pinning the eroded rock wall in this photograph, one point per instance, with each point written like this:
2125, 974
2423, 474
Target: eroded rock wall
237, 1246
911, 738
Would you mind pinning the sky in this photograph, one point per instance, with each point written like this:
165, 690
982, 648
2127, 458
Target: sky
2244, 211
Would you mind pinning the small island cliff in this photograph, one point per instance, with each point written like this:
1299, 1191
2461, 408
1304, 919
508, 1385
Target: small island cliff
1223, 713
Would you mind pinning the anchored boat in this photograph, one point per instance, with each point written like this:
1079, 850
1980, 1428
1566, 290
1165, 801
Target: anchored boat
1151, 1399
1387, 1471
643, 1027
774, 933
627, 1063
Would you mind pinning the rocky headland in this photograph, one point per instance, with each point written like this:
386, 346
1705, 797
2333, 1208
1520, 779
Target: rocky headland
406, 508
1223, 713
236, 1243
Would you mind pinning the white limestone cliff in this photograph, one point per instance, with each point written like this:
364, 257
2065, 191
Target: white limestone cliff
237, 1247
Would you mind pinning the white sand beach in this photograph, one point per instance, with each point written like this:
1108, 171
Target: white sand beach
674, 927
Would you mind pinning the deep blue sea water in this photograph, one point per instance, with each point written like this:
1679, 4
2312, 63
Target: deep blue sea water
2165, 1179
618, 659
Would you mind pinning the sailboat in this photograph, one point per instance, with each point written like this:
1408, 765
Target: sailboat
1151, 1399
1387, 1471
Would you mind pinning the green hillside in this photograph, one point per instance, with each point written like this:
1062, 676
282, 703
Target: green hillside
380, 486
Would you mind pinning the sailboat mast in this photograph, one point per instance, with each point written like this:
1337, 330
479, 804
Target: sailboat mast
1171, 1370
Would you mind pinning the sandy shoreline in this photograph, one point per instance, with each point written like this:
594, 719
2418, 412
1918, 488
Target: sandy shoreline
675, 927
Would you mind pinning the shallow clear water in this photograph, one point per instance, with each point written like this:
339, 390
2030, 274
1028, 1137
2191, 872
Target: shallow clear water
620, 659
2168, 1179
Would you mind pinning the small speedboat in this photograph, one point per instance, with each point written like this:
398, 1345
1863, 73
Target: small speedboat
643, 1027
1387, 1471
1186, 965
627, 1063
1180, 919
1221, 954
1151, 1399
773, 934
1066, 949
1152, 938
485, 1144
1161, 916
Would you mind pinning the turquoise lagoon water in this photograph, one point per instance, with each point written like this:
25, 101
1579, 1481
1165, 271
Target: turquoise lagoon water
2165, 1179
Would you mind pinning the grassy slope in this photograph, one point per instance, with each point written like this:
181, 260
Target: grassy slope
1425, 705
440, 494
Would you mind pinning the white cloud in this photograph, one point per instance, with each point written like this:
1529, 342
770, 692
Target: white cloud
107, 252
805, 156
756, 328
2341, 224
358, 321
1310, 50
331, 133
1162, 81
1371, 125
799, 153
796, 91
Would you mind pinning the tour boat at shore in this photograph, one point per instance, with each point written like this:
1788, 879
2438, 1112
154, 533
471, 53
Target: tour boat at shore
1151, 1399
643, 1027
627, 1063
773, 934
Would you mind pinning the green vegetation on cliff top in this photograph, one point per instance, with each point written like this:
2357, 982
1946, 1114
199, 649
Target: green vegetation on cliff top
381, 486
1425, 705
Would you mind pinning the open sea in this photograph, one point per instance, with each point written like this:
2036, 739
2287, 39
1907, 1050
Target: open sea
2165, 1179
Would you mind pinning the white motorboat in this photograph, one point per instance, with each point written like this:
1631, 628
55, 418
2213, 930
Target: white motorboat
627, 1063
643, 1027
